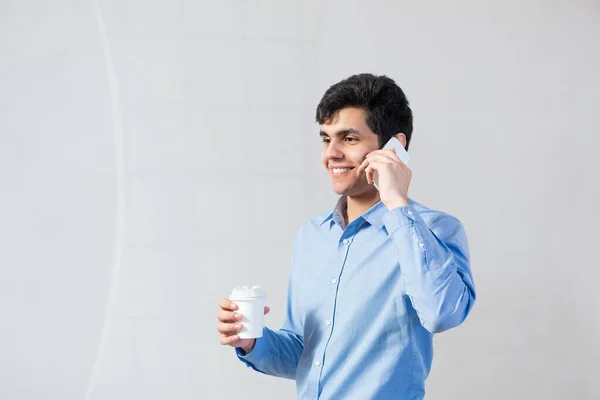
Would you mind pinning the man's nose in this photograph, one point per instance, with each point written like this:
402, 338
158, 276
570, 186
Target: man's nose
333, 150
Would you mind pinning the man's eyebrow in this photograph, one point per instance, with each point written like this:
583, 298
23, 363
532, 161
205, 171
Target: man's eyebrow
341, 133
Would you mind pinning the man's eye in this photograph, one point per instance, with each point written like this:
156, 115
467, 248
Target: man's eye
325, 140
350, 139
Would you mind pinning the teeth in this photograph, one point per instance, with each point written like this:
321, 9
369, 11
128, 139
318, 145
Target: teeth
340, 170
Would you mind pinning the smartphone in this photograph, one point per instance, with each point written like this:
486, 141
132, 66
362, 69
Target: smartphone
400, 152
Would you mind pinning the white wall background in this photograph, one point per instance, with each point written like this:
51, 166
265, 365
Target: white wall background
157, 153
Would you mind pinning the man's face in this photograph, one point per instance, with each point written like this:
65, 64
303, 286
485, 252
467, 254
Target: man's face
346, 142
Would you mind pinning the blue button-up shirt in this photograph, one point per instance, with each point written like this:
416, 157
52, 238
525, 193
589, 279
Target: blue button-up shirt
364, 301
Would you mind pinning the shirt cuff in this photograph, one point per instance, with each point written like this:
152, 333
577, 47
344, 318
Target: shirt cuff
258, 353
400, 217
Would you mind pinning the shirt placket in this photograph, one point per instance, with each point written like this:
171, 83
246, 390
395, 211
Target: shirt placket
343, 247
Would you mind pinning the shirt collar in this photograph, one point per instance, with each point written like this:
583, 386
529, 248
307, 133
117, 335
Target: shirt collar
339, 209
373, 215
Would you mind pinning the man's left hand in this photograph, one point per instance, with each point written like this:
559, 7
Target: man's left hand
391, 175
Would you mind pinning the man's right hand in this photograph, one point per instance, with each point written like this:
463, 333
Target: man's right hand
229, 325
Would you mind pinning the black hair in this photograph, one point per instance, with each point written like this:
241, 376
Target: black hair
387, 111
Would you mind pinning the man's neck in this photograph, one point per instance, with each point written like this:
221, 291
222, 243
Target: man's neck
357, 205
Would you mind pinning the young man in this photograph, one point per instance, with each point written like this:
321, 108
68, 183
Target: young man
372, 281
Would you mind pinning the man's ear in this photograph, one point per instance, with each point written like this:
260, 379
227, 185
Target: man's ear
402, 138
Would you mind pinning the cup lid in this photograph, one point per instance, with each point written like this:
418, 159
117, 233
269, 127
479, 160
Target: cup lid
242, 292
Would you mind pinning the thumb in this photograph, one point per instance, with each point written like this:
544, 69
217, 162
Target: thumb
267, 309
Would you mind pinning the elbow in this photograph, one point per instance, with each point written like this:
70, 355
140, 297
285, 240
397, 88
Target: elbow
438, 325
446, 319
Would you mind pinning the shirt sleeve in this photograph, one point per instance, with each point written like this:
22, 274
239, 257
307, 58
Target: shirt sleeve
435, 265
277, 353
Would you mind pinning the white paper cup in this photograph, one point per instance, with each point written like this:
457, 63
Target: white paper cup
251, 304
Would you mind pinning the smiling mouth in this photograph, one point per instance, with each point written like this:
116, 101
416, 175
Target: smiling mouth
340, 171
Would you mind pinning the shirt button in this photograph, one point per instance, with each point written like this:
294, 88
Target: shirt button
421, 244
410, 212
328, 322
317, 363
334, 281
346, 241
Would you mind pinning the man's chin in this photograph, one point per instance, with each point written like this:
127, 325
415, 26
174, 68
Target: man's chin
341, 190
351, 190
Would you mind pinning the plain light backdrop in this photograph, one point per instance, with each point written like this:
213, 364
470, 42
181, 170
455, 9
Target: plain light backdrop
154, 154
